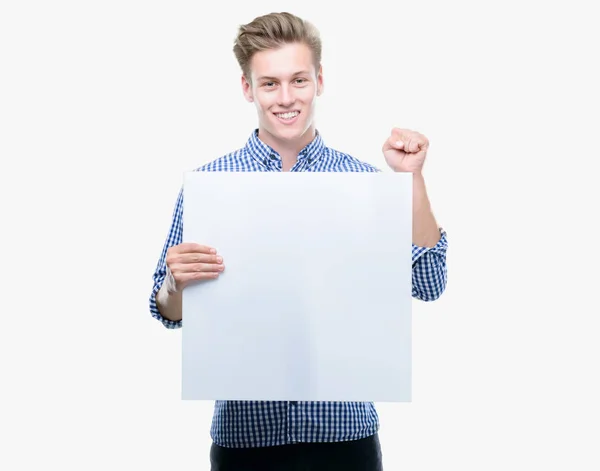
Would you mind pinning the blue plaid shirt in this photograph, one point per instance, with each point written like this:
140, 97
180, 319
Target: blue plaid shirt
240, 424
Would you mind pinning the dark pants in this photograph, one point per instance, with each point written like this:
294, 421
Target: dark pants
358, 455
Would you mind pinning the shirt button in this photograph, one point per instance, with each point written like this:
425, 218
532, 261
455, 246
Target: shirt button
273, 157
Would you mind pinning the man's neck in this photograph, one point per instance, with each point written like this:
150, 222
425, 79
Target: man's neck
288, 150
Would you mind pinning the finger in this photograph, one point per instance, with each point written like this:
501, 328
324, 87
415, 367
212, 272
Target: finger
413, 145
188, 247
401, 134
407, 135
394, 143
178, 268
193, 257
421, 143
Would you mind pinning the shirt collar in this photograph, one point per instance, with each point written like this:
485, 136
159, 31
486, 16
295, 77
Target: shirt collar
269, 157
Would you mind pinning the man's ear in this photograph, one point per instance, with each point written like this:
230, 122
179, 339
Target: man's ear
247, 89
320, 84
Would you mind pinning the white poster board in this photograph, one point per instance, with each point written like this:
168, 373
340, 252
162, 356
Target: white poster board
315, 300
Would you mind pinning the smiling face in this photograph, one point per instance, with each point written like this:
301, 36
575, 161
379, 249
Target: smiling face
283, 86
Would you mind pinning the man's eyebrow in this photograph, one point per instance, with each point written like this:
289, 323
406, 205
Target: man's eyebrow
265, 77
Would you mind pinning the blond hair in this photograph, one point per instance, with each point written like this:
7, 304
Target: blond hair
271, 32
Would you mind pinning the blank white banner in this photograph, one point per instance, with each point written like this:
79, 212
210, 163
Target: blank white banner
315, 300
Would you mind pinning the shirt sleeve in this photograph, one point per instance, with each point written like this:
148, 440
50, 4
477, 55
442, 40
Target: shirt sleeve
175, 237
429, 270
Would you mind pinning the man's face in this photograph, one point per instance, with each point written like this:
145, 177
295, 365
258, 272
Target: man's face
284, 84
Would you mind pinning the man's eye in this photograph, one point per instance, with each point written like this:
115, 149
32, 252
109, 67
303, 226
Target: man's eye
269, 84
300, 80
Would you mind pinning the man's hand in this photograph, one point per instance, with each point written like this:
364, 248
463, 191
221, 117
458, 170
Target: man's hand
191, 262
405, 150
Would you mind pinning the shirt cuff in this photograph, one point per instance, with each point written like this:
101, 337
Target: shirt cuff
439, 248
169, 324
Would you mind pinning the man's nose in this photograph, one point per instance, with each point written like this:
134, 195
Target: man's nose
285, 96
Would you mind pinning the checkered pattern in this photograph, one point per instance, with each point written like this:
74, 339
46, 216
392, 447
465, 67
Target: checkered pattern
240, 424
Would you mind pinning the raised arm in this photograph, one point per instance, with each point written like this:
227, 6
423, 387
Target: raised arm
405, 151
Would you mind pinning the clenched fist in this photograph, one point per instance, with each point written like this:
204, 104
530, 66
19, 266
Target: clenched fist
405, 150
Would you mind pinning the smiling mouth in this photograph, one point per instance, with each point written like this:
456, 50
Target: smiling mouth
288, 115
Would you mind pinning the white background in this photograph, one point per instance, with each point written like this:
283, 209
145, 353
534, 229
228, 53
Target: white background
103, 105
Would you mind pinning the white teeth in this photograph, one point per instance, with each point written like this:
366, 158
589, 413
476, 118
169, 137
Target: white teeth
291, 115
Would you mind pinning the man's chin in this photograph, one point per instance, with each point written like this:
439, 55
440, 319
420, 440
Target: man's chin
288, 132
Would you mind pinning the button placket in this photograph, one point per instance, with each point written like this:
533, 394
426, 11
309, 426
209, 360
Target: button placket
273, 161
309, 161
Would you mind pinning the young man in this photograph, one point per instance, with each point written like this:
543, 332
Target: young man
280, 59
